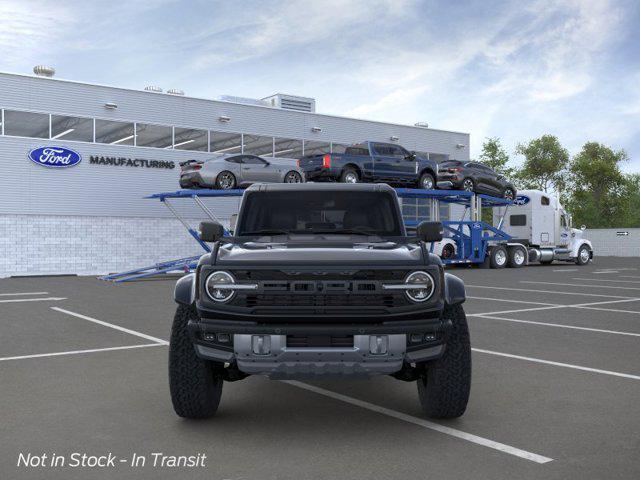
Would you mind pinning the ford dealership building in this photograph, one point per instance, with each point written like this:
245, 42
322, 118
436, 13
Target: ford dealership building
77, 160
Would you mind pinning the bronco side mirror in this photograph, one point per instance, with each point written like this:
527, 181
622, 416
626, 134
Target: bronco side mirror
211, 231
430, 231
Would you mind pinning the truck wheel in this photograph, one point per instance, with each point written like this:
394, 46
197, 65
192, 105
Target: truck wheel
517, 257
468, 185
498, 258
584, 255
194, 383
444, 388
349, 175
427, 182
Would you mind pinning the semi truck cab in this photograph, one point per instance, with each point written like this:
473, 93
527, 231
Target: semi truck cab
539, 221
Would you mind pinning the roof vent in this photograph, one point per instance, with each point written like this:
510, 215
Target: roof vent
422, 124
175, 91
44, 71
153, 88
291, 102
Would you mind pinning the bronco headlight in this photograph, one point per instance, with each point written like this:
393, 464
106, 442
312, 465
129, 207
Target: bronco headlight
424, 286
217, 286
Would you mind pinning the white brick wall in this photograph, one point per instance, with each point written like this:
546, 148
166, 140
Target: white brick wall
49, 245
607, 242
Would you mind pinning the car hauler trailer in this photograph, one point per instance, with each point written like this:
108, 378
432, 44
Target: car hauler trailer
471, 240
538, 220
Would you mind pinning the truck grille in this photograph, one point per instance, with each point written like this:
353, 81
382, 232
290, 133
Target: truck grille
324, 300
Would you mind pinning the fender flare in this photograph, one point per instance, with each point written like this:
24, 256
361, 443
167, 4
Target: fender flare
454, 292
580, 243
185, 291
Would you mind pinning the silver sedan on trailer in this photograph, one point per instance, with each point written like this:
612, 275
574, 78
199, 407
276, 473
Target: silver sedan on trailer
239, 170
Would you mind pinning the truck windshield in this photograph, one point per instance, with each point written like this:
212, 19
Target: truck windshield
333, 212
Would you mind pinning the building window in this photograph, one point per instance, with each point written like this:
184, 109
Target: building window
258, 145
338, 147
316, 148
71, 128
438, 157
222, 142
287, 148
114, 133
157, 136
26, 124
190, 139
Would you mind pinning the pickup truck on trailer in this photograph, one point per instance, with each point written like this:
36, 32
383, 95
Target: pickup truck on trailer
319, 280
372, 162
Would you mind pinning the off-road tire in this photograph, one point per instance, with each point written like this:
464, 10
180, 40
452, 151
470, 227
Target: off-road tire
512, 262
424, 178
194, 383
444, 388
346, 173
495, 259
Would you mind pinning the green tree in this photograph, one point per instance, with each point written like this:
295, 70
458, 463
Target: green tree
632, 185
495, 156
545, 164
599, 191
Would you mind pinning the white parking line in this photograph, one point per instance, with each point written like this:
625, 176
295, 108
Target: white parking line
605, 271
629, 276
111, 325
485, 442
576, 305
46, 299
547, 291
567, 270
510, 301
558, 364
23, 293
605, 280
558, 325
580, 285
77, 352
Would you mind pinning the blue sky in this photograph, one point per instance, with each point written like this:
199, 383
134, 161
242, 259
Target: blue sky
515, 70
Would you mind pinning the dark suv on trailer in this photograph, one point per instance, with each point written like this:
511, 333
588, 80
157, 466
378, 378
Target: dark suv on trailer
475, 177
319, 280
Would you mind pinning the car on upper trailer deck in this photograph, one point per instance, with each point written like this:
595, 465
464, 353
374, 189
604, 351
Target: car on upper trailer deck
372, 162
475, 177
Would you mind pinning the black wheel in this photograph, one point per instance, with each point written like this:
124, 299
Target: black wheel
468, 185
448, 251
584, 255
195, 384
444, 388
517, 257
349, 175
225, 180
427, 182
498, 257
509, 194
293, 177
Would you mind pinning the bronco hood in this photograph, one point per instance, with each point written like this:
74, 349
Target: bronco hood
291, 254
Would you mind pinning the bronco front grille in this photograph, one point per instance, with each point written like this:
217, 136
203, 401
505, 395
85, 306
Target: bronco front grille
320, 300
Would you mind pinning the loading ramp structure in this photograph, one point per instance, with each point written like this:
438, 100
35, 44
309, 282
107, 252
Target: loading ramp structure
472, 236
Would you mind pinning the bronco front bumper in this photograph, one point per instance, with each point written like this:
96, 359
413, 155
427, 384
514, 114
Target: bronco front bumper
293, 351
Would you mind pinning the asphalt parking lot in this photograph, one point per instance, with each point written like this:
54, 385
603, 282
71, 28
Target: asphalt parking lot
555, 394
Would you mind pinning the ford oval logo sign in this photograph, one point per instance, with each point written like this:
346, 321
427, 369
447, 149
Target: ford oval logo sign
521, 200
55, 157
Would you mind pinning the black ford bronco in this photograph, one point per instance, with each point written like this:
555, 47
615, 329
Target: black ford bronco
320, 280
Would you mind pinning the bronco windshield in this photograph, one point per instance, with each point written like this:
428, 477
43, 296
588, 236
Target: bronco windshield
328, 212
